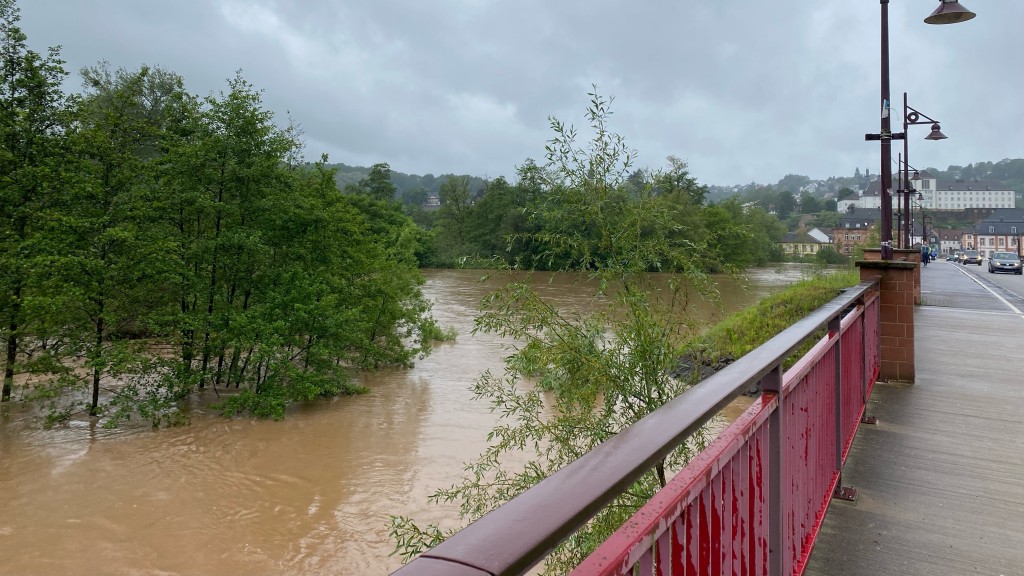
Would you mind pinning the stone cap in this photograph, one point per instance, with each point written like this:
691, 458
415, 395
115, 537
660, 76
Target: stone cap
886, 264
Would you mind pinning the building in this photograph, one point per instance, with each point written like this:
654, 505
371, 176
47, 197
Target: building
960, 194
854, 229
949, 240
868, 199
821, 234
1003, 231
934, 194
801, 244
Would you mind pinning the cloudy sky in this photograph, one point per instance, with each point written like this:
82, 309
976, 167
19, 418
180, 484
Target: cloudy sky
744, 91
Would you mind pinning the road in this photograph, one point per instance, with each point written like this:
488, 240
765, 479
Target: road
952, 285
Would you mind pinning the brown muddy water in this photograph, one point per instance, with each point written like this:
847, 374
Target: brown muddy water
309, 495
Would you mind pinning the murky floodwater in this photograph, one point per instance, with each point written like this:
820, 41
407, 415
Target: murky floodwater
309, 495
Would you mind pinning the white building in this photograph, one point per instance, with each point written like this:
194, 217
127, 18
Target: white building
869, 199
938, 194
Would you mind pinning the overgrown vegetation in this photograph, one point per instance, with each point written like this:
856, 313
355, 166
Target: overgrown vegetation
744, 331
573, 380
154, 244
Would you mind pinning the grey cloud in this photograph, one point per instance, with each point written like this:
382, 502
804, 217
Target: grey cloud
744, 91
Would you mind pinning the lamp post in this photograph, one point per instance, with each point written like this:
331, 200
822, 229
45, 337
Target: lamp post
925, 219
907, 190
912, 117
948, 12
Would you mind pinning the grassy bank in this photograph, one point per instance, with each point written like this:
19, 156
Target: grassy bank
747, 329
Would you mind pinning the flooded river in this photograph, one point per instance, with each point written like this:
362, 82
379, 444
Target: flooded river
309, 495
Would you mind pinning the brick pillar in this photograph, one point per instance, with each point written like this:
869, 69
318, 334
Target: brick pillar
896, 315
901, 255
914, 256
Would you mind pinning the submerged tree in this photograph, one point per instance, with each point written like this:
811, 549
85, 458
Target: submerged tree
573, 381
33, 123
106, 269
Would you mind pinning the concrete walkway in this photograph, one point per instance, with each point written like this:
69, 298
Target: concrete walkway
940, 478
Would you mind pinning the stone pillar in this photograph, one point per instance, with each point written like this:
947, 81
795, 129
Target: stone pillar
901, 255
896, 315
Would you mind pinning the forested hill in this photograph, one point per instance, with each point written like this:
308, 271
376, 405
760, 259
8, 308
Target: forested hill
1009, 171
428, 184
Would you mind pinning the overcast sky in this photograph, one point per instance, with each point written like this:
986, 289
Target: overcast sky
743, 91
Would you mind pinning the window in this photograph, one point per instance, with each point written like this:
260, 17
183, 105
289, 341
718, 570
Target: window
1013, 229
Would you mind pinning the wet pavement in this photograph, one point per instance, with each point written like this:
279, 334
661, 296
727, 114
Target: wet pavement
940, 477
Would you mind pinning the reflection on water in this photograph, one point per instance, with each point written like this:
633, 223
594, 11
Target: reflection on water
308, 495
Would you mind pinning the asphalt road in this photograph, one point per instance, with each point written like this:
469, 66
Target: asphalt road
952, 285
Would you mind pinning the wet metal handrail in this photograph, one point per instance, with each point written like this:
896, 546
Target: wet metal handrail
516, 536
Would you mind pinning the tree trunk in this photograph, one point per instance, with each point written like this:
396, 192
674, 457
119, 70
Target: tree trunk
97, 372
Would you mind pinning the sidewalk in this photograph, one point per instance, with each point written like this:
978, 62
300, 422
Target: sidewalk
940, 478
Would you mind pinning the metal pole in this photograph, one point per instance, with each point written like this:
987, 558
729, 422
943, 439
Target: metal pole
886, 139
901, 215
906, 174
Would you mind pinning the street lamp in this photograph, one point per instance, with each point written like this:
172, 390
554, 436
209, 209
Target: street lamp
906, 189
912, 117
948, 12
921, 209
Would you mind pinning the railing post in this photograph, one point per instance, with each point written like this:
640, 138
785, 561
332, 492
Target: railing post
866, 369
772, 382
862, 302
841, 492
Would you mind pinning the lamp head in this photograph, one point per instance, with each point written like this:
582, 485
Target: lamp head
920, 196
916, 176
935, 134
949, 12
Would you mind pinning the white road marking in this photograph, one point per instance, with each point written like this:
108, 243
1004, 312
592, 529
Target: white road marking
1001, 299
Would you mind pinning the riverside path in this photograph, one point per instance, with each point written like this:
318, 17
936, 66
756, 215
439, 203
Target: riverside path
940, 478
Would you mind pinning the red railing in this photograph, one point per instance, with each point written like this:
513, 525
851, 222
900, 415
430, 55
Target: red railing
751, 503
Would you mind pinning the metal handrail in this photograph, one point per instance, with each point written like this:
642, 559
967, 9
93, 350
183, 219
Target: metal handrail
519, 534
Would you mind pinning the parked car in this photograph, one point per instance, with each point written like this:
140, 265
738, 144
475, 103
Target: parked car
951, 257
1004, 262
971, 257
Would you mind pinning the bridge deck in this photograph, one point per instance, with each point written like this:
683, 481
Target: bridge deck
940, 478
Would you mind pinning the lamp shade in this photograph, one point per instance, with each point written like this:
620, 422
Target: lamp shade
935, 134
949, 12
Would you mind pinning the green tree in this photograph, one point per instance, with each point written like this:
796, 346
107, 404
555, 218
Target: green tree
809, 204
786, 204
376, 185
730, 241
33, 124
828, 255
108, 267
604, 371
453, 220
678, 180
845, 193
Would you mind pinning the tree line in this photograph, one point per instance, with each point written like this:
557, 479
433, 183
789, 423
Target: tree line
169, 243
504, 223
